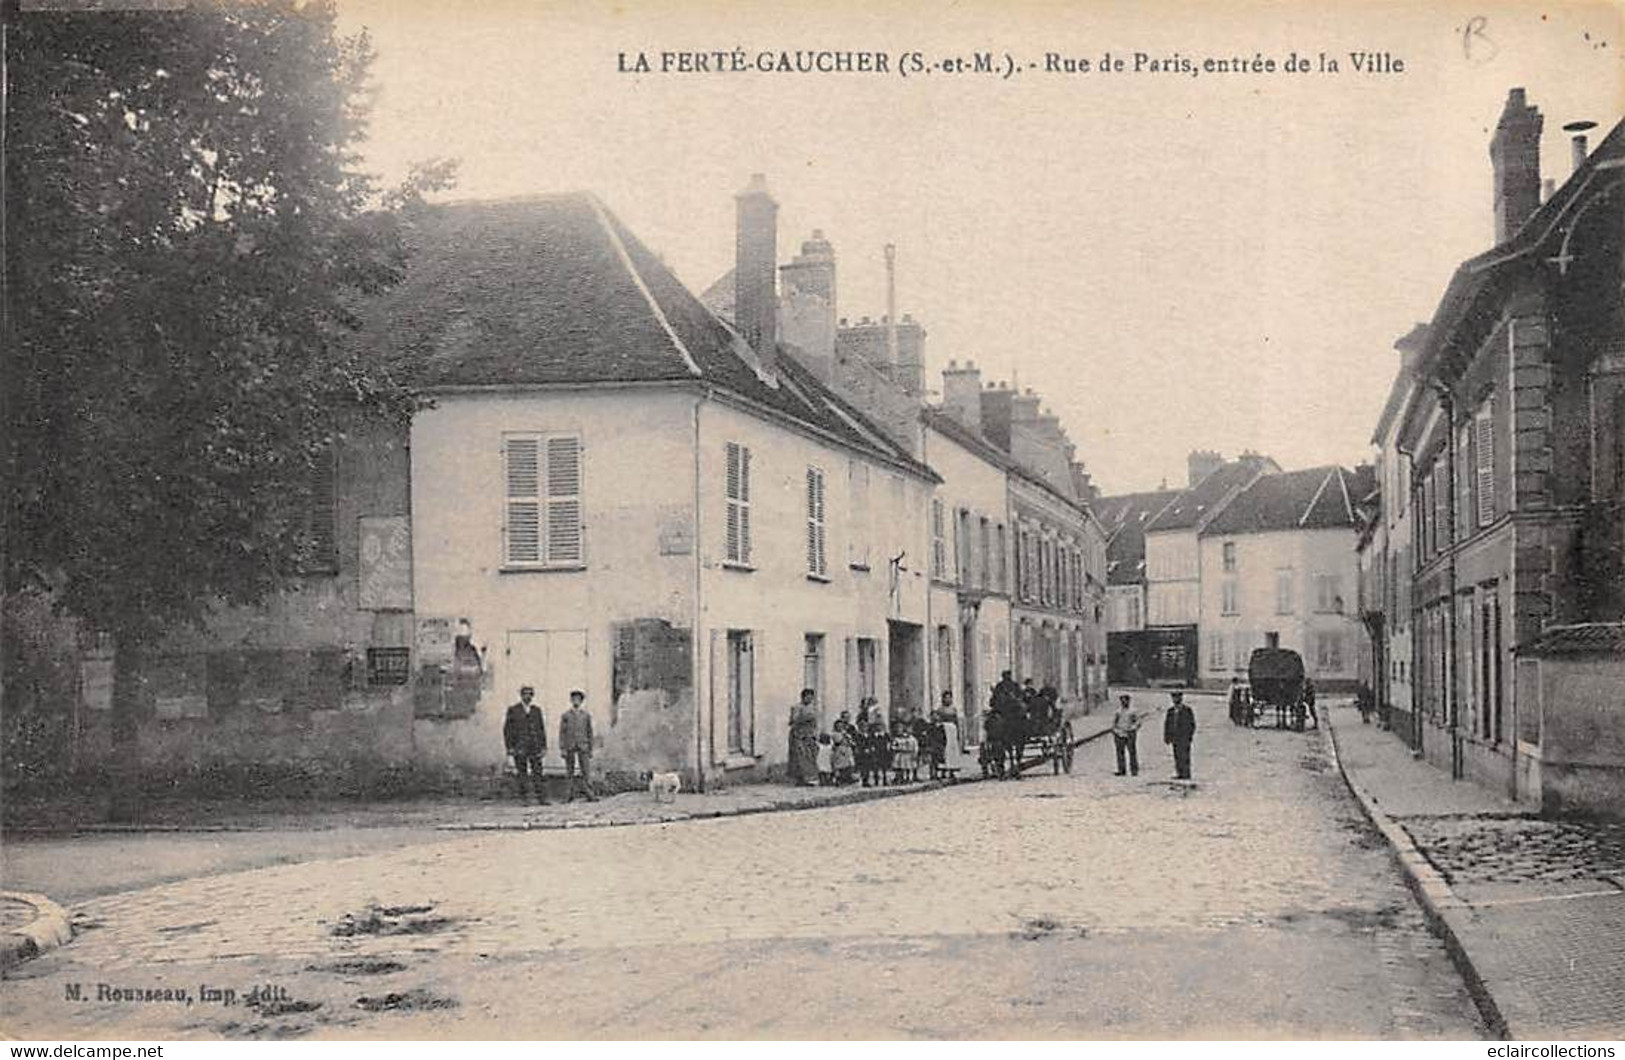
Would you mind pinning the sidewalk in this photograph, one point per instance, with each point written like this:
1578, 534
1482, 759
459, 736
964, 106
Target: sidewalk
1532, 908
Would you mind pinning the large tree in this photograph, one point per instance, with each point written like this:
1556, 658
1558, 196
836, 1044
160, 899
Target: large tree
187, 235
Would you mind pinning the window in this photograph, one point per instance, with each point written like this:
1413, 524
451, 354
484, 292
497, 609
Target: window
321, 554
984, 572
737, 549
1329, 652
388, 666
939, 543
1134, 612
868, 665
817, 552
1328, 594
1216, 658
1229, 557
1285, 590
812, 666
858, 534
1228, 603
962, 546
741, 693
1484, 464
1003, 582
543, 476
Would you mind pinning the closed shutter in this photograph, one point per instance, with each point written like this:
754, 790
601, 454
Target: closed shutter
817, 559
322, 520
564, 500
737, 489
522, 458
1484, 466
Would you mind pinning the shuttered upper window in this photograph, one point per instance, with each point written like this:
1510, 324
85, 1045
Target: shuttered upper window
817, 550
737, 544
321, 555
1484, 465
542, 518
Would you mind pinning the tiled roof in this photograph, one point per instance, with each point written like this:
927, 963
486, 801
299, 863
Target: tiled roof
1315, 499
944, 423
555, 290
1124, 517
1188, 510
1588, 638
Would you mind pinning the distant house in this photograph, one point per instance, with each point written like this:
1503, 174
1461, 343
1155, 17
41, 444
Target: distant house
1173, 562
1131, 659
1278, 570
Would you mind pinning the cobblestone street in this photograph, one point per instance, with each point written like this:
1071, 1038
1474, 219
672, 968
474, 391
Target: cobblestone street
1257, 903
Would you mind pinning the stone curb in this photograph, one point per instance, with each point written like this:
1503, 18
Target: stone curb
48, 930
1432, 892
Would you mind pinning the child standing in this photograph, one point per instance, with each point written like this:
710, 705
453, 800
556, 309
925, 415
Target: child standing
826, 760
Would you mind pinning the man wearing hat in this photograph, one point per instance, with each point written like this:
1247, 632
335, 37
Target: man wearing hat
575, 742
524, 731
1178, 729
1126, 734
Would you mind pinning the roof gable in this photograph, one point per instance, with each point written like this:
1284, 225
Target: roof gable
1317, 498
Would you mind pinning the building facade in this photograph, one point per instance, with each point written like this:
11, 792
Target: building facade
1516, 485
1279, 571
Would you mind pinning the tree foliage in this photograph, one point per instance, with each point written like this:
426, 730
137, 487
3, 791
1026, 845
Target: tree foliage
189, 234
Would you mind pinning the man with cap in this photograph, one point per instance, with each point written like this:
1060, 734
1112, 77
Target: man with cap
575, 742
1178, 729
1126, 734
524, 731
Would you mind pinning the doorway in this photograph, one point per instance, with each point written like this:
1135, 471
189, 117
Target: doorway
905, 643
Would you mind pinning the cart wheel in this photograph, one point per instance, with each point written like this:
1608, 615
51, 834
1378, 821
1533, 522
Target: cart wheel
1066, 748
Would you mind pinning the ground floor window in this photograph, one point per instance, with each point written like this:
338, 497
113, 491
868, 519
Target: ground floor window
1329, 652
741, 692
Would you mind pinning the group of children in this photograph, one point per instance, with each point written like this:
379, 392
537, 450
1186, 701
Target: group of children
866, 751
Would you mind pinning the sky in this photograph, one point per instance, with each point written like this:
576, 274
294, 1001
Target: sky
1171, 262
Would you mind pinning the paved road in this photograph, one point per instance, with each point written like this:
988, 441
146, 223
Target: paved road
1257, 904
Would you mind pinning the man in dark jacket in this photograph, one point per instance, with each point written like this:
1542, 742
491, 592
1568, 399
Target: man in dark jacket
524, 731
575, 742
1178, 729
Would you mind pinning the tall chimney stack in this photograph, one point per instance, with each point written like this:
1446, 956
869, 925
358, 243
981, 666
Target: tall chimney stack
1515, 153
1200, 464
756, 253
962, 394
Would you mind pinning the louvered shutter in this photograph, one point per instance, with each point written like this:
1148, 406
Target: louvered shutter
564, 500
522, 458
737, 490
817, 560
1484, 466
322, 520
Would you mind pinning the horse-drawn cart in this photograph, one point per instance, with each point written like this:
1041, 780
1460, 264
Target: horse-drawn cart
1040, 726
1275, 679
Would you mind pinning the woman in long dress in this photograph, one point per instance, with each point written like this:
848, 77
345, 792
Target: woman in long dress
804, 740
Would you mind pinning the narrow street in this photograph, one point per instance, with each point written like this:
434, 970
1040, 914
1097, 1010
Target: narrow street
1256, 904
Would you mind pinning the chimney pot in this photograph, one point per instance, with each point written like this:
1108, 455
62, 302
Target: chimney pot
1577, 131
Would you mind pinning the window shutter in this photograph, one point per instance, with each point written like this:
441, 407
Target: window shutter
817, 560
522, 457
564, 500
1484, 466
737, 489
322, 522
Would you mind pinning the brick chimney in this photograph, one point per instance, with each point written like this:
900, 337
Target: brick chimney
997, 405
962, 394
807, 317
756, 252
1200, 464
1515, 152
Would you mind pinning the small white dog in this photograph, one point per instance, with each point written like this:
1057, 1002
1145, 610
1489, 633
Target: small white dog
665, 786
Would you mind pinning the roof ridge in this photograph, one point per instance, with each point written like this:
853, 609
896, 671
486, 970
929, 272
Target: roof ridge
1348, 505
600, 213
